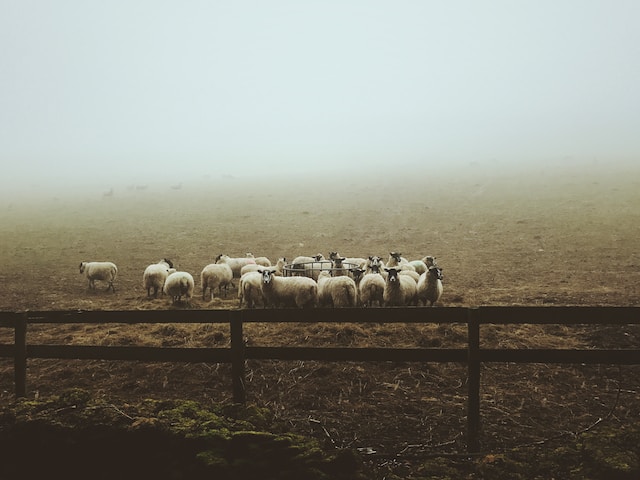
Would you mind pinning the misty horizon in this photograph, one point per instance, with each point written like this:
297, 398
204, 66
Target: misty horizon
102, 96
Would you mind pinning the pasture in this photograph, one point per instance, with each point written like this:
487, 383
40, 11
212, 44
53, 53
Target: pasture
541, 237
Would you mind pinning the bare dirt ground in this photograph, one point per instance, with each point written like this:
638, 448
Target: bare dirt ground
565, 236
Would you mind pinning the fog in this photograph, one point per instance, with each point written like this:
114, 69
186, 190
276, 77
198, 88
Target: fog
114, 96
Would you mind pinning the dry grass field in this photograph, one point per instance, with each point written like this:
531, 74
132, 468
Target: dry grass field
561, 236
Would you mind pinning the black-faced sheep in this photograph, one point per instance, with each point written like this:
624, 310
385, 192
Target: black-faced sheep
301, 292
103, 271
430, 286
339, 291
399, 290
155, 275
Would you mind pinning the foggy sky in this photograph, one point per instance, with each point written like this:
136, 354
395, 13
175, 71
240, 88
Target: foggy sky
128, 91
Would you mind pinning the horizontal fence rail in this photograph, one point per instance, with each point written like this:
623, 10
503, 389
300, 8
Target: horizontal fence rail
238, 352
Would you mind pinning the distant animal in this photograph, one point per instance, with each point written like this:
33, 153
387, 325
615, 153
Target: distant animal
103, 271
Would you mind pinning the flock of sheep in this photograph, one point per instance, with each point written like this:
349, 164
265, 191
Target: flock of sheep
305, 282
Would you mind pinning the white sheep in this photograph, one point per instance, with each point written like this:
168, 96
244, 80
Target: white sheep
415, 276
423, 264
396, 259
278, 268
250, 290
236, 263
215, 275
352, 262
371, 289
374, 264
179, 284
295, 291
264, 261
340, 291
302, 265
399, 290
103, 271
155, 275
430, 286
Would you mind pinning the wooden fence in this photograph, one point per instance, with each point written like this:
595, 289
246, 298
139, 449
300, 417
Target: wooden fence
237, 353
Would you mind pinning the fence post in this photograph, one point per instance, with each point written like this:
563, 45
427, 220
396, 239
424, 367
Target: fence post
473, 413
20, 355
237, 357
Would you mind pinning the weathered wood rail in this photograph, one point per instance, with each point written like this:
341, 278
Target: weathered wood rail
237, 353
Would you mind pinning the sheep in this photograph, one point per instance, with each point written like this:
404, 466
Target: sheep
340, 291
264, 261
301, 292
423, 264
278, 268
374, 264
371, 289
215, 275
399, 290
410, 273
430, 286
430, 261
178, 284
104, 271
236, 263
353, 262
419, 266
155, 275
303, 265
396, 259
337, 267
250, 290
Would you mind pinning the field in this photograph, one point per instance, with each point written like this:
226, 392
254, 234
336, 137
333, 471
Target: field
558, 236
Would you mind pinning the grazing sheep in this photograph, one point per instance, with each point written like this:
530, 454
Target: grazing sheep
340, 291
216, 275
236, 263
430, 286
178, 284
250, 290
295, 291
103, 271
155, 275
371, 289
399, 290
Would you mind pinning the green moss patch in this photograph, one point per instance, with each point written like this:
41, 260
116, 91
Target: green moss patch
74, 436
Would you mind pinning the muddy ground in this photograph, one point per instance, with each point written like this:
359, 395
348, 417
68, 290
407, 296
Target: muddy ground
559, 236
